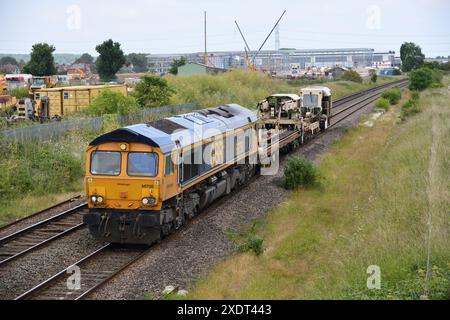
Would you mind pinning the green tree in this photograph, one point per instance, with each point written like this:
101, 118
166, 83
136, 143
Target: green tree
85, 58
139, 61
111, 102
8, 60
110, 61
351, 75
42, 62
152, 91
411, 55
177, 63
420, 79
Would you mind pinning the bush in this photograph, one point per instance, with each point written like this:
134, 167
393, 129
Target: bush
110, 102
436, 77
20, 93
396, 72
393, 95
382, 103
299, 172
411, 106
153, 91
252, 243
352, 75
421, 78
374, 77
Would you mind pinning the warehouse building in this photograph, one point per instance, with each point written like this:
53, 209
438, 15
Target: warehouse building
281, 60
193, 68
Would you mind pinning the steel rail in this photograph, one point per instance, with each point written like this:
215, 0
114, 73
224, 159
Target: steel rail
355, 95
15, 222
30, 245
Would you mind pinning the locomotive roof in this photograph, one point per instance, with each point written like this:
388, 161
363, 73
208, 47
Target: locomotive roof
182, 130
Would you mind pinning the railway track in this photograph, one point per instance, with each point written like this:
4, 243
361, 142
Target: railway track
97, 268
41, 212
358, 94
370, 96
107, 262
41, 233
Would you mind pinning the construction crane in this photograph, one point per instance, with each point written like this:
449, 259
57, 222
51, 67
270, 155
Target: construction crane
251, 62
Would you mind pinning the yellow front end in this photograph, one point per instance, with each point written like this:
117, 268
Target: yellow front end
120, 188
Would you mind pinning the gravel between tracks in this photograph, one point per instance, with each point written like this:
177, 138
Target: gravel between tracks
191, 252
18, 276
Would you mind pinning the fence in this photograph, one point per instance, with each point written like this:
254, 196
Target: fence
48, 131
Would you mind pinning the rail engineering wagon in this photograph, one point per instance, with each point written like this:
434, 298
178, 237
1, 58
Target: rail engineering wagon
308, 113
145, 180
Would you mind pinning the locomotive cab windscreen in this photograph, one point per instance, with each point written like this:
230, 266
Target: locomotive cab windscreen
311, 103
124, 176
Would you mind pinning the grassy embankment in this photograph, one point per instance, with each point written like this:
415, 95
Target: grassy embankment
373, 208
35, 176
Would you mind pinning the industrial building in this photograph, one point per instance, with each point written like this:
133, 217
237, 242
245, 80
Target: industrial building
193, 68
281, 60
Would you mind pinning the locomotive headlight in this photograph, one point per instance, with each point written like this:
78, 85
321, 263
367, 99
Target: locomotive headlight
93, 199
100, 199
149, 201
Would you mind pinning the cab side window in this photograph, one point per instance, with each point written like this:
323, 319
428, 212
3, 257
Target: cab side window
168, 165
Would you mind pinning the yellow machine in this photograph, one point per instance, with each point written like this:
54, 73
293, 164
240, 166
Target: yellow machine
41, 83
56, 102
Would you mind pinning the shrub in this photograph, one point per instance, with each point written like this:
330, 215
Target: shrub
299, 172
252, 243
153, 91
110, 102
382, 103
410, 107
20, 93
393, 95
352, 75
420, 79
396, 72
436, 77
374, 77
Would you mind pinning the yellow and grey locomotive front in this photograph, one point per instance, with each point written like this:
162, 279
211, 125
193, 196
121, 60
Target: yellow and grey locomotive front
145, 180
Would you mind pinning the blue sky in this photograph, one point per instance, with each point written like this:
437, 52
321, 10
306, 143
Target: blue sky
176, 26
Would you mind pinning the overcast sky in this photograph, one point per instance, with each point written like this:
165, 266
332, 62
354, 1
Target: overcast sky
176, 26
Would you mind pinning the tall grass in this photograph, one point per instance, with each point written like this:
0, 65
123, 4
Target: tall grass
245, 88
36, 170
373, 209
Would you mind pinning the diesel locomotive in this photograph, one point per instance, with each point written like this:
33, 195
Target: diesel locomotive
146, 180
